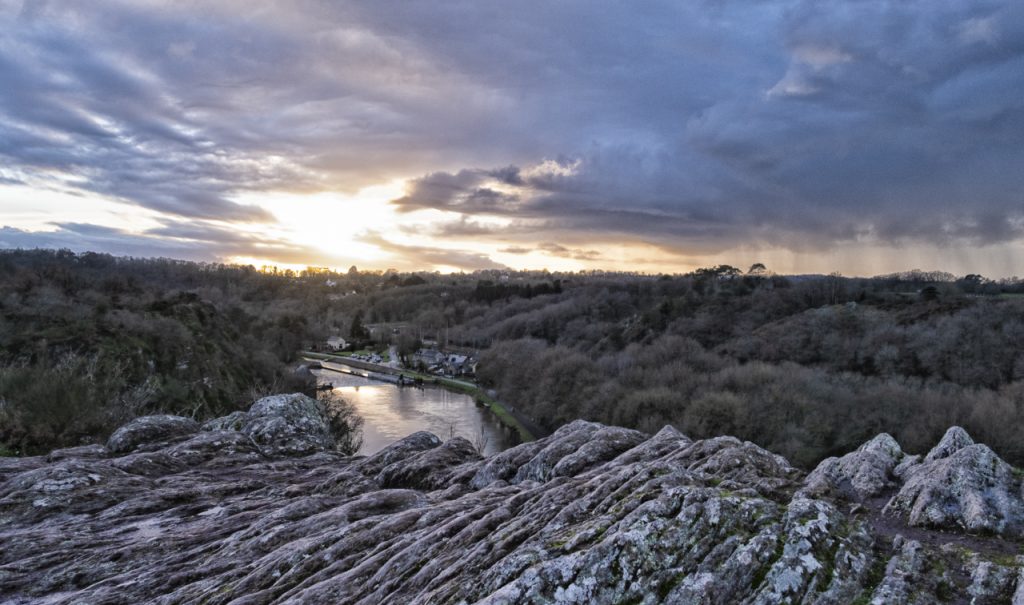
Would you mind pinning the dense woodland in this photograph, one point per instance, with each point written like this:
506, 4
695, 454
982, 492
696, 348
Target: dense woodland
808, 366
88, 341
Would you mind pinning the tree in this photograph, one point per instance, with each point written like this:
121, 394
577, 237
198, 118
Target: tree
346, 425
757, 269
407, 345
358, 331
972, 283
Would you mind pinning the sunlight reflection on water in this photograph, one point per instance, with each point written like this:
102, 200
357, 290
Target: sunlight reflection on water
391, 412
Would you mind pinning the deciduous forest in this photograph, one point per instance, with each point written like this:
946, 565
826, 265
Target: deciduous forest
808, 366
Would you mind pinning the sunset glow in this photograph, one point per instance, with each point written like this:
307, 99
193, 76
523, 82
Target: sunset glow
655, 141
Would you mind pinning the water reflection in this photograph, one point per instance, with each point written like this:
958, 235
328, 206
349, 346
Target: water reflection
391, 412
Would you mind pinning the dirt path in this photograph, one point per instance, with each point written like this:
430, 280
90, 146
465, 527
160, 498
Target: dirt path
889, 527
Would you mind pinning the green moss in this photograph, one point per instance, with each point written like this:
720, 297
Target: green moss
1006, 560
945, 591
874, 577
762, 572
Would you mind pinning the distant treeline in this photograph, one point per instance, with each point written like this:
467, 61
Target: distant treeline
809, 366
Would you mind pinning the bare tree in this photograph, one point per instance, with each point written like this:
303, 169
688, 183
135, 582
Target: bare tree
346, 424
480, 441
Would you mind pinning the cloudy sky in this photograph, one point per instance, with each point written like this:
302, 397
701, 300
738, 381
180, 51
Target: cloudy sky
813, 136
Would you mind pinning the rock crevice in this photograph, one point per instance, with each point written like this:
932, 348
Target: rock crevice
257, 507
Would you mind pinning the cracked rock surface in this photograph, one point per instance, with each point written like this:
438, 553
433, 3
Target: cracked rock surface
256, 508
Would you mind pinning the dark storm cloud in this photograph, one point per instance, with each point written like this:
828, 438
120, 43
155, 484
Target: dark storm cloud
851, 122
693, 126
459, 192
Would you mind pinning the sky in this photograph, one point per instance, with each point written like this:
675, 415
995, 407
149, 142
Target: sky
863, 137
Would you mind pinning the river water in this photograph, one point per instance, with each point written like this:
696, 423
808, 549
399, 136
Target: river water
391, 412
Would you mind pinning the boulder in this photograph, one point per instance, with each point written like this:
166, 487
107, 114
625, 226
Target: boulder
601, 446
952, 442
232, 422
503, 466
966, 487
82, 451
400, 450
566, 441
665, 441
859, 475
150, 432
430, 469
290, 425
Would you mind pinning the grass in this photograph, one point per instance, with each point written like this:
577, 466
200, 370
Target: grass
459, 386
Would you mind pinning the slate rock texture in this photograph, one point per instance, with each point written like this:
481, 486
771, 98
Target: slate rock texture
149, 432
258, 508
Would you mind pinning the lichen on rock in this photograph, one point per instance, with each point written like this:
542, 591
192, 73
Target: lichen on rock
258, 508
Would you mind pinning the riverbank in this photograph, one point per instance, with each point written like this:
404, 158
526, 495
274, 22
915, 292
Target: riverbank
526, 430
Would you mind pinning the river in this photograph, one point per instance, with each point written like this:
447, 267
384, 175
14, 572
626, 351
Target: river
391, 412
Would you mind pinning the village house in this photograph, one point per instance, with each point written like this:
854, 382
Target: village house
431, 359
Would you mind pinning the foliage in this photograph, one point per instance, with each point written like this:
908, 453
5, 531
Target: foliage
89, 341
809, 366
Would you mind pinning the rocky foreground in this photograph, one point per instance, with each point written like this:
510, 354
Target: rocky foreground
256, 508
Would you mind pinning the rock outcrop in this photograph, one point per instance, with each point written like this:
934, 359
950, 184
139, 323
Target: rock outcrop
859, 475
257, 508
970, 488
148, 430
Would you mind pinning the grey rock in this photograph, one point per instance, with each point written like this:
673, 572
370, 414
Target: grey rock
291, 425
150, 431
398, 451
10, 465
503, 466
564, 442
734, 464
953, 441
591, 514
991, 582
665, 441
430, 469
1018, 594
603, 445
232, 422
81, 451
970, 489
902, 582
867, 472
904, 468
